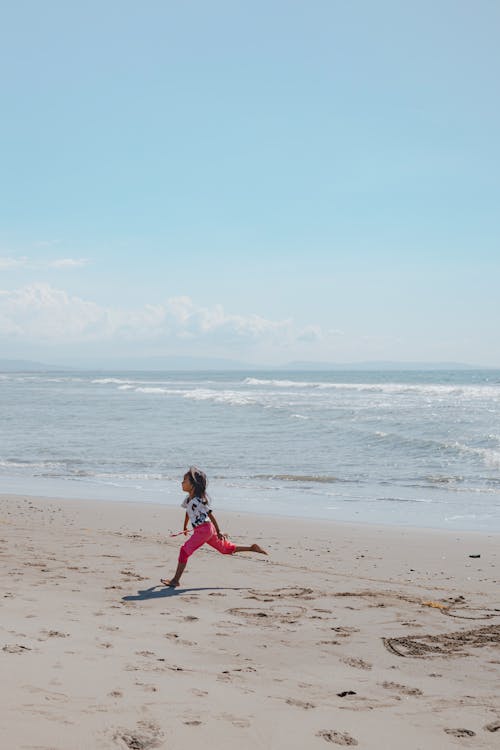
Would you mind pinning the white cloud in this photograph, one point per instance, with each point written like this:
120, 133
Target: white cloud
192, 320
310, 334
68, 263
39, 312
7, 263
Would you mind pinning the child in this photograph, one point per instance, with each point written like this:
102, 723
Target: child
205, 527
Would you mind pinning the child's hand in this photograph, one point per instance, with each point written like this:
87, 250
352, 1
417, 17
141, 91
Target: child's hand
185, 532
220, 535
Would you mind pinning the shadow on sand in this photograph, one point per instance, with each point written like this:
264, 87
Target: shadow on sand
161, 592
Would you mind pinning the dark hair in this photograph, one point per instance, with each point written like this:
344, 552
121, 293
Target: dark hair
199, 482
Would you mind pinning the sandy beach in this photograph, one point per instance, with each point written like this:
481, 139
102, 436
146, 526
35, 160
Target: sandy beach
379, 637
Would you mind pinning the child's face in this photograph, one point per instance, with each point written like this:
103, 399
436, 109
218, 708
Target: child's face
187, 485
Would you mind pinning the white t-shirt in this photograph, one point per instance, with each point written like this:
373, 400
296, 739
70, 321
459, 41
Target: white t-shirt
197, 510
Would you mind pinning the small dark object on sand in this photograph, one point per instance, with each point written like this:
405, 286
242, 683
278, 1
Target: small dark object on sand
474, 555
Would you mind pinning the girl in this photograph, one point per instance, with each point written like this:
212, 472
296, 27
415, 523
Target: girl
205, 527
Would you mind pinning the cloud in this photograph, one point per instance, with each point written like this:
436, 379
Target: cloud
39, 312
310, 334
7, 263
68, 263
192, 320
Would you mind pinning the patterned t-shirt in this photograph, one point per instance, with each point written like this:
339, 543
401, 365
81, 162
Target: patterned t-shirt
197, 510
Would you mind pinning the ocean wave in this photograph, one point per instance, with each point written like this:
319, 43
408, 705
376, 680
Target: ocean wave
490, 458
427, 389
443, 479
109, 381
155, 389
21, 463
234, 398
133, 476
404, 499
318, 478
280, 383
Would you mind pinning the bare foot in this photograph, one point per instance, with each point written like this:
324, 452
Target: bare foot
256, 548
171, 584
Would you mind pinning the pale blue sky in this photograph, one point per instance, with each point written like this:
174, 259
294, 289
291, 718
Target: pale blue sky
315, 180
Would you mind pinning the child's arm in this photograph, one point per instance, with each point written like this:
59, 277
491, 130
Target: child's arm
214, 521
186, 521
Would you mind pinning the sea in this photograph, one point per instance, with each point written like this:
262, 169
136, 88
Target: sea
412, 448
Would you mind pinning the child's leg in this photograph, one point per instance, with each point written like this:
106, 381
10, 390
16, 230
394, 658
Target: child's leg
200, 535
173, 582
252, 548
224, 546
228, 548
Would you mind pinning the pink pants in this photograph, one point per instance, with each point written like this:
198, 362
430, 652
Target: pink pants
205, 534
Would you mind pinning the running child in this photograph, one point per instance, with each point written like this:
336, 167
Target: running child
205, 527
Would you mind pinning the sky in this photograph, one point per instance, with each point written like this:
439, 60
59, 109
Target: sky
264, 181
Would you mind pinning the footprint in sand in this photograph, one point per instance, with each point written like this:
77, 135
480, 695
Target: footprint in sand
145, 737
337, 738
299, 704
277, 613
147, 687
236, 721
403, 689
493, 727
294, 592
131, 575
352, 661
344, 631
15, 649
52, 634
460, 732
181, 641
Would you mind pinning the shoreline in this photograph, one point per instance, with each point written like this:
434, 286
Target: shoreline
347, 634
405, 512
256, 516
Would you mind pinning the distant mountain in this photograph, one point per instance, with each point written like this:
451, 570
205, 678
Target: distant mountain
179, 363
382, 365
162, 363
26, 365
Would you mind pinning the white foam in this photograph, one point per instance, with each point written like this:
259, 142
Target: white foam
234, 398
429, 389
13, 464
154, 389
280, 383
490, 457
107, 381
